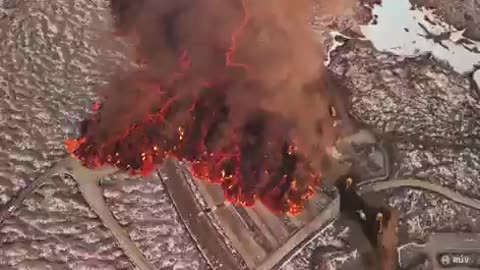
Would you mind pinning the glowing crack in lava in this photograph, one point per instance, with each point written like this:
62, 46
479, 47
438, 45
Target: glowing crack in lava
196, 99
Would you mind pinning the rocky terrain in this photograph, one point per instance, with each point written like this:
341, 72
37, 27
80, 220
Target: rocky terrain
463, 14
429, 115
54, 55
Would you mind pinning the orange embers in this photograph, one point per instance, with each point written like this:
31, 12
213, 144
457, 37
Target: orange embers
193, 117
74, 144
281, 194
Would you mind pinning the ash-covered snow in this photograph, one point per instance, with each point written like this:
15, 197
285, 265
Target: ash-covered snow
454, 167
151, 221
427, 111
423, 213
335, 251
55, 229
54, 55
47, 81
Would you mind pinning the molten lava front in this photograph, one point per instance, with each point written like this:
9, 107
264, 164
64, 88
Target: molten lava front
254, 160
221, 86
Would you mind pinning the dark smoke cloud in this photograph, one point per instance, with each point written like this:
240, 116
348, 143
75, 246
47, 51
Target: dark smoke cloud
284, 61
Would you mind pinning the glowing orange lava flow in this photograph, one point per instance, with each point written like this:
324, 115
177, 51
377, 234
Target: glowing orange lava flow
252, 163
252, 159
230, 62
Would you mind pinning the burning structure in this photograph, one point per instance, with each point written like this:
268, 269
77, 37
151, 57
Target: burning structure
233, 86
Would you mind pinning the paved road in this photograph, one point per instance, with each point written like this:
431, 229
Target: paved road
422, 184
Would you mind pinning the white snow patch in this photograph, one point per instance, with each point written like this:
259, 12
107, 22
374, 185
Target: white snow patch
399, 31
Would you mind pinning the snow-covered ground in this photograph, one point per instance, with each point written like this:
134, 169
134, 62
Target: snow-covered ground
424, 106
53, 57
